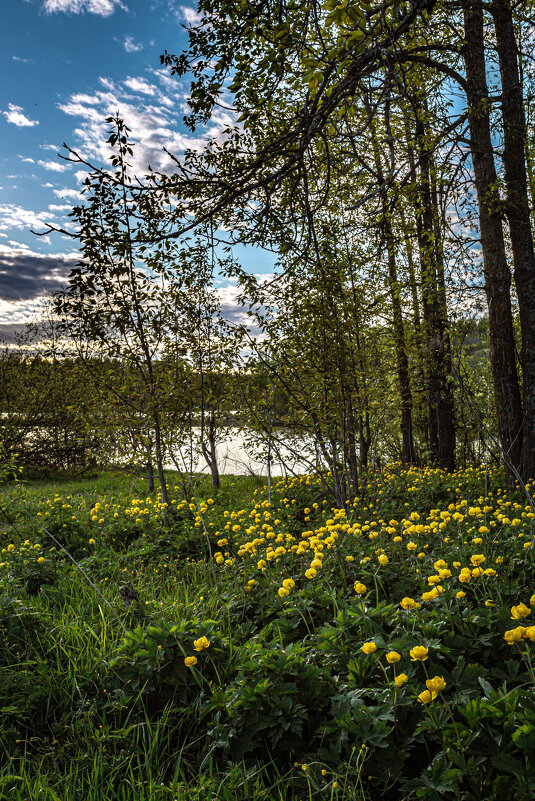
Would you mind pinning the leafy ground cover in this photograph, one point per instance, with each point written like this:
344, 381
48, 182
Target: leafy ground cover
257, 650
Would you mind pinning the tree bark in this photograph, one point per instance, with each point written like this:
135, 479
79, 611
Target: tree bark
496, 271
441, 407
518, 216
402, 361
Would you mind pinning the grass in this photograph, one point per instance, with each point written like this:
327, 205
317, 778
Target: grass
284, 702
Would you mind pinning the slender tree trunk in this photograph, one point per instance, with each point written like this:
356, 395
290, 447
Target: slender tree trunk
446, 407
214, 468
158, 453
518, 217
497, 276
441, 410
150, 475
402, 362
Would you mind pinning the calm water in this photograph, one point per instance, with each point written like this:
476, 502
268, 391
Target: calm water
237, 457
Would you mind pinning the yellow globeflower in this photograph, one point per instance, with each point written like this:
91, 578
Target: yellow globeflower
520, 611
201, 643
514, 635
392, 657
401, 679
409, 603
369, 647
359, 587
435, 684
383, 559
283, 592
530, 633
41, 560
426, 697
190, 661
310, 573
419, 653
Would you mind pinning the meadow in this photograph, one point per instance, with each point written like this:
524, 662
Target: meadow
258, 650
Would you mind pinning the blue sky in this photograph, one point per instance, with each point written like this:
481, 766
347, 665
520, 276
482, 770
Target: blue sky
67, 64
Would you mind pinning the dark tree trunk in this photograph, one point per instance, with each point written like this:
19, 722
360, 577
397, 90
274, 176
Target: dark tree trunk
402, 361
150, 475
497, 276
441, 410
518, 217
446, 408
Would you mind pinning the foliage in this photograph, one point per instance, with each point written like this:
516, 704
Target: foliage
307, 661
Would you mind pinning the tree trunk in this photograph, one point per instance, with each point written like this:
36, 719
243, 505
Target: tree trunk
150, 475
518, 217
497, 276
158, 453
441, 410
402, 362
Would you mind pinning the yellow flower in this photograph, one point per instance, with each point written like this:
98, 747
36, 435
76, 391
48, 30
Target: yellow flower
392, 657
283, 592
91, 541
435, 684
201, 643
382, 559
530, 633
409, 603
190, 661
514, 635
288, 583
426, 697
460, 594
359, 587
520, 611
401, 679
419, 653
310, 573
41, 560
532, 600
369, 647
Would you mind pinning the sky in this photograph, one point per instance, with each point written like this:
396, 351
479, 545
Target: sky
67, 64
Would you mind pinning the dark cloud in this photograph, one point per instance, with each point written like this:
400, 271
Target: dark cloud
25, 276
10, 331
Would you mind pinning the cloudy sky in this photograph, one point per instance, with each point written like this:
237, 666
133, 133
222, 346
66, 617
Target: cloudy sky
67, 64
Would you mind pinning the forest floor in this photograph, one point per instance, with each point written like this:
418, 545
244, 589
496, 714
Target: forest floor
253, 651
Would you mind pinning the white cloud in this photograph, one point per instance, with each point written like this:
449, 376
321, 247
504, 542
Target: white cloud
12, 216
15, 116
104, 8
131, 46
58, 207
140, 86
151, 111
22, 60
190, 15
28, 160
68, 194
49, 147
55, 166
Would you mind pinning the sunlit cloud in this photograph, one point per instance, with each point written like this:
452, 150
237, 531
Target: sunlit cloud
103, 8
131, 46
15, 116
